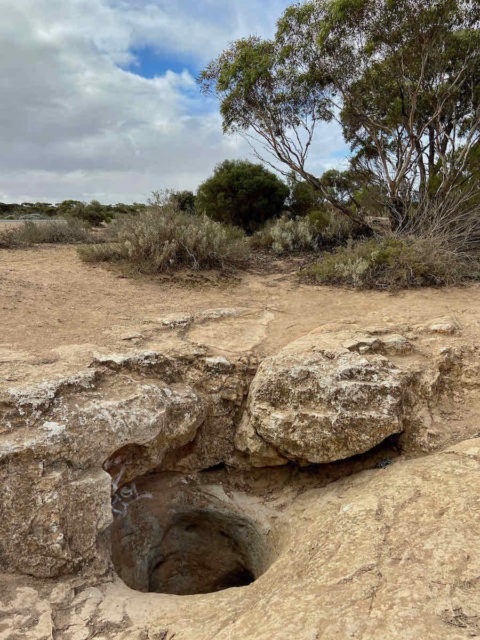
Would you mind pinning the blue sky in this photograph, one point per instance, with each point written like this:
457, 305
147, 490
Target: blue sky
99, 98
149, 62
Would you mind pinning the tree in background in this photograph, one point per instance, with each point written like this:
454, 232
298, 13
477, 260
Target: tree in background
243, 194
303, 197
185, 200
93, 213
401, 77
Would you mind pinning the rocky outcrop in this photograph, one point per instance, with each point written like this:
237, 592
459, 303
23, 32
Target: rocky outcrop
124, 416
387, 553
71, 449
324, 398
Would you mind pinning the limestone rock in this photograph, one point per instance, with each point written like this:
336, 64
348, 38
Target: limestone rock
29, 617
447, 327
384, 554
443, 326
320, 400
185, 320
126, 415
389, 344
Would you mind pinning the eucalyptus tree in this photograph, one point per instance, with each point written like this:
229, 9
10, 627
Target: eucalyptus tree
400, 76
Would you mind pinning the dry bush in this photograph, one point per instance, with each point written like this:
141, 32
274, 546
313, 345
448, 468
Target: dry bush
455, 218
439, 245
165, 238
30, 233
303, 234
395, 262
286, 235
107, 252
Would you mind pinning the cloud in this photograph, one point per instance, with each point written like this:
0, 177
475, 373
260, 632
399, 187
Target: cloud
76, 123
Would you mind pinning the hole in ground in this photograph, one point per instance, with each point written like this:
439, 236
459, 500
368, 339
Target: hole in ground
202, 552
174, 537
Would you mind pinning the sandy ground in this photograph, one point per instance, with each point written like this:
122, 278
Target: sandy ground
56, 311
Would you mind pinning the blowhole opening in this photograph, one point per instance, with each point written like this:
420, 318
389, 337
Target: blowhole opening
203, 552
177, 538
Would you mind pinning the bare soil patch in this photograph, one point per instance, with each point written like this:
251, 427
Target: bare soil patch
56, 311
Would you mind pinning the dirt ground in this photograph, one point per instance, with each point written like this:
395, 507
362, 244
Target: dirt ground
56, 311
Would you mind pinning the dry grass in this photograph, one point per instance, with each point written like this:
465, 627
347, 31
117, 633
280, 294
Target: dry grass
31, 233
163, 238
396, 262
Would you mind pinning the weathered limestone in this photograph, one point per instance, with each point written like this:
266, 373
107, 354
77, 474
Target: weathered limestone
387, 552
125, 415
391, 553
324, 397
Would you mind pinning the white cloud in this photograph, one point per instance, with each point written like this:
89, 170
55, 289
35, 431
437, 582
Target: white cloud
76, 125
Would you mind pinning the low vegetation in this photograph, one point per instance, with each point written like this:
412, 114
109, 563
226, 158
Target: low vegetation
165, 238
395, 262
309, 233
93, 213
54, 232
286, 235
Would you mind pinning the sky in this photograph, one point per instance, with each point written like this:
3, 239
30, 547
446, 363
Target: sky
99, 99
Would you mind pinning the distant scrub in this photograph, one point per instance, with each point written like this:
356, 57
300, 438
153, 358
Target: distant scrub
94, 213
31, 233
395, 263
165, 238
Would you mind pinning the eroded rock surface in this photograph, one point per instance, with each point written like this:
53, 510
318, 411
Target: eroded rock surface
386, 553
125, 415
372, 547
324, 398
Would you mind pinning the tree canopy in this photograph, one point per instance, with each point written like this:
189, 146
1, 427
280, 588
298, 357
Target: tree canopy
243, 194
402, 77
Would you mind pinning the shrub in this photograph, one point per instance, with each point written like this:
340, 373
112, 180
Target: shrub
291, 235
30, 233
242, 194
185, 200
96, 213
107, 252
286, 235
165, 238
393, 263
93, 213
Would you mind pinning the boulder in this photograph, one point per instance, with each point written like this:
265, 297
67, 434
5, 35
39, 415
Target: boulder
323, 398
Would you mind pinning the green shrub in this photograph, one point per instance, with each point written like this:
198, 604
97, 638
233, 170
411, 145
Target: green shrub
320, 220
394, 263
165, 238
185, 200
30, 233
242, 194
93, 214
303, 199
